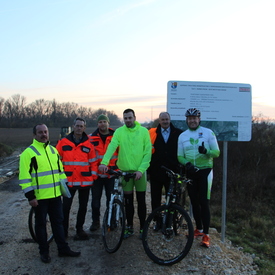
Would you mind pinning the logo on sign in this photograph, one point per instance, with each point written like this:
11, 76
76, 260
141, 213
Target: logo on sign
174, 85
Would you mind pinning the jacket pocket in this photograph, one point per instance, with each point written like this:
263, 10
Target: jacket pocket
67, 148
68, 173
85, 174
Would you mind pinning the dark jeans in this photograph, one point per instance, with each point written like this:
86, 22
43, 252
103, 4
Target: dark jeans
52, 207
83, 198
96, 190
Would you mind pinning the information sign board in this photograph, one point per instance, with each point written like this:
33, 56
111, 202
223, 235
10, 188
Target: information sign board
225, 107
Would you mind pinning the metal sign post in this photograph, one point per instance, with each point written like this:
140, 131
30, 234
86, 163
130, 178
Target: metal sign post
224, 184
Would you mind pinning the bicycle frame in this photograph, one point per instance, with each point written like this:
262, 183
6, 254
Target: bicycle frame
168, 231
114, 217
172, 198
117, 193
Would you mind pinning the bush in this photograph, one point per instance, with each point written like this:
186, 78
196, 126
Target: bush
5, 150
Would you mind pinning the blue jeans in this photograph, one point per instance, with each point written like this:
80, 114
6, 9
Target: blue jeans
52, 207
96, 190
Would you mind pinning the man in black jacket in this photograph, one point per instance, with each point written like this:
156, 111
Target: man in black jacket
164, 140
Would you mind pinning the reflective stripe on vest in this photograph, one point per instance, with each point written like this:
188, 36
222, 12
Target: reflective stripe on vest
80, 163
47, 173
78, 183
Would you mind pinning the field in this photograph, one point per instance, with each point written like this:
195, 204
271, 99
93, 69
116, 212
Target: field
22, 137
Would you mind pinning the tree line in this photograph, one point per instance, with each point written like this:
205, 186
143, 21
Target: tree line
16, 113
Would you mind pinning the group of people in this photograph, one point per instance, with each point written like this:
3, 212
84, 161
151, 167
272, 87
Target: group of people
83, 161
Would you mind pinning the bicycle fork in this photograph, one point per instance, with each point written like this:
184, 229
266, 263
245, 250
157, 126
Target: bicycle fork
167, 223
110, 211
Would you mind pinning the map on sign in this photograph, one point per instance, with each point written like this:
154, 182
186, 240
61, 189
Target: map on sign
225, 107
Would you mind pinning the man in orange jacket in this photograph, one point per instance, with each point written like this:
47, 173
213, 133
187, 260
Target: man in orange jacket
101, 138
80, 165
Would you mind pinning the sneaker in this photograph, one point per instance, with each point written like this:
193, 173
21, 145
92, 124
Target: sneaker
129, 231
95, 225
81, 235
205, 241
140, 234
197, 233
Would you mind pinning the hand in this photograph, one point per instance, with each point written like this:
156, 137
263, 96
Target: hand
190, 168
202, 149
33, 203
103, 168
138, 175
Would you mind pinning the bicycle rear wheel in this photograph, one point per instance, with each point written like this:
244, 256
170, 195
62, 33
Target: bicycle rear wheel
172, 242
31, 223
113, 232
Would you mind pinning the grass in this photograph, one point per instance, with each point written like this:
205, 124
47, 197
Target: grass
252, 231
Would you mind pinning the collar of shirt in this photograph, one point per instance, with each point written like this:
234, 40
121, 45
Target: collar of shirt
167, 130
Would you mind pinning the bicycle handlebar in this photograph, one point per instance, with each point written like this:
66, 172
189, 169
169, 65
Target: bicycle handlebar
175, 175
169, 170
119, 173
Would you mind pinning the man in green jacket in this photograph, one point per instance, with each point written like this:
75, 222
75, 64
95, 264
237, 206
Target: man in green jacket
134, 156
40, 174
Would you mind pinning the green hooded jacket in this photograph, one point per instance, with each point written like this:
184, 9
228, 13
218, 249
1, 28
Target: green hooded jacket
134, 148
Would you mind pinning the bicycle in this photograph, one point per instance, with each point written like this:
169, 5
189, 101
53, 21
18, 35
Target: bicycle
31, 223
168, 232
114, 217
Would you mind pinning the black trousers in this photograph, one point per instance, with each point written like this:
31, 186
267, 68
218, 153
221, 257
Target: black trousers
157, 184
52, 207
83, 198
198, 193
97, 190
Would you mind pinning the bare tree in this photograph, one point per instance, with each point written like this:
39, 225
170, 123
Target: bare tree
2, 103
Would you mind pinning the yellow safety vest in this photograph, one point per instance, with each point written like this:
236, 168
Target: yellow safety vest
40, 169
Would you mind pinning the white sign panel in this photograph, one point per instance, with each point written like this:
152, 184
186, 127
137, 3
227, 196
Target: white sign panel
225, 107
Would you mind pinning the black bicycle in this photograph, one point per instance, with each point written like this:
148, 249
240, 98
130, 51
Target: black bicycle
31, 223
114, 217
168, 231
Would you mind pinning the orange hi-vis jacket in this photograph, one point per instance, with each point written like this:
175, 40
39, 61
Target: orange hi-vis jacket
79, 160
153, 136
100, 149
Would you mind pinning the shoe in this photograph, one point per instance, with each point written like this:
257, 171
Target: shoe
81, 235
129, 231
95, 225
45, 258
197, 233
68, 253
140, 234
205, 241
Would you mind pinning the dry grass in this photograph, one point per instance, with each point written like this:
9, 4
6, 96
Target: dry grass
22, 137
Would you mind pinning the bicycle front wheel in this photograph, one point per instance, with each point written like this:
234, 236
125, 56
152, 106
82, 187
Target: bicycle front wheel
172, 240
31, 223
113, 231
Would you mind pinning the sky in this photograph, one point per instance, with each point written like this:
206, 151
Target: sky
119, 54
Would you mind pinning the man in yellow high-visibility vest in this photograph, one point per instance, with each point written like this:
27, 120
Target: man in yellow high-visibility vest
40, 174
